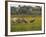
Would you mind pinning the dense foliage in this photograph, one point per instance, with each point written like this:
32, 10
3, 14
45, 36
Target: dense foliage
26, 10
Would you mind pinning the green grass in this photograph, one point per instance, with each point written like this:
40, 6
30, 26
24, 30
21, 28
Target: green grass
35, 26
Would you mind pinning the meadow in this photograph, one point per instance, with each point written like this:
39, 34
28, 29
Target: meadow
34, 26
26, 18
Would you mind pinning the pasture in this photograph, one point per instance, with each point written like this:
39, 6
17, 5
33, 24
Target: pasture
33, 26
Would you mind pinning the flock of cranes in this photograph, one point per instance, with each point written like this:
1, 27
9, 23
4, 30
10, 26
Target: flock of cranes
22, 20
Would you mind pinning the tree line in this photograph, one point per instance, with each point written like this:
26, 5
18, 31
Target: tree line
26, 10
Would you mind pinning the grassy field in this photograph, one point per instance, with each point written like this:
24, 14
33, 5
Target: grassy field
35, 26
